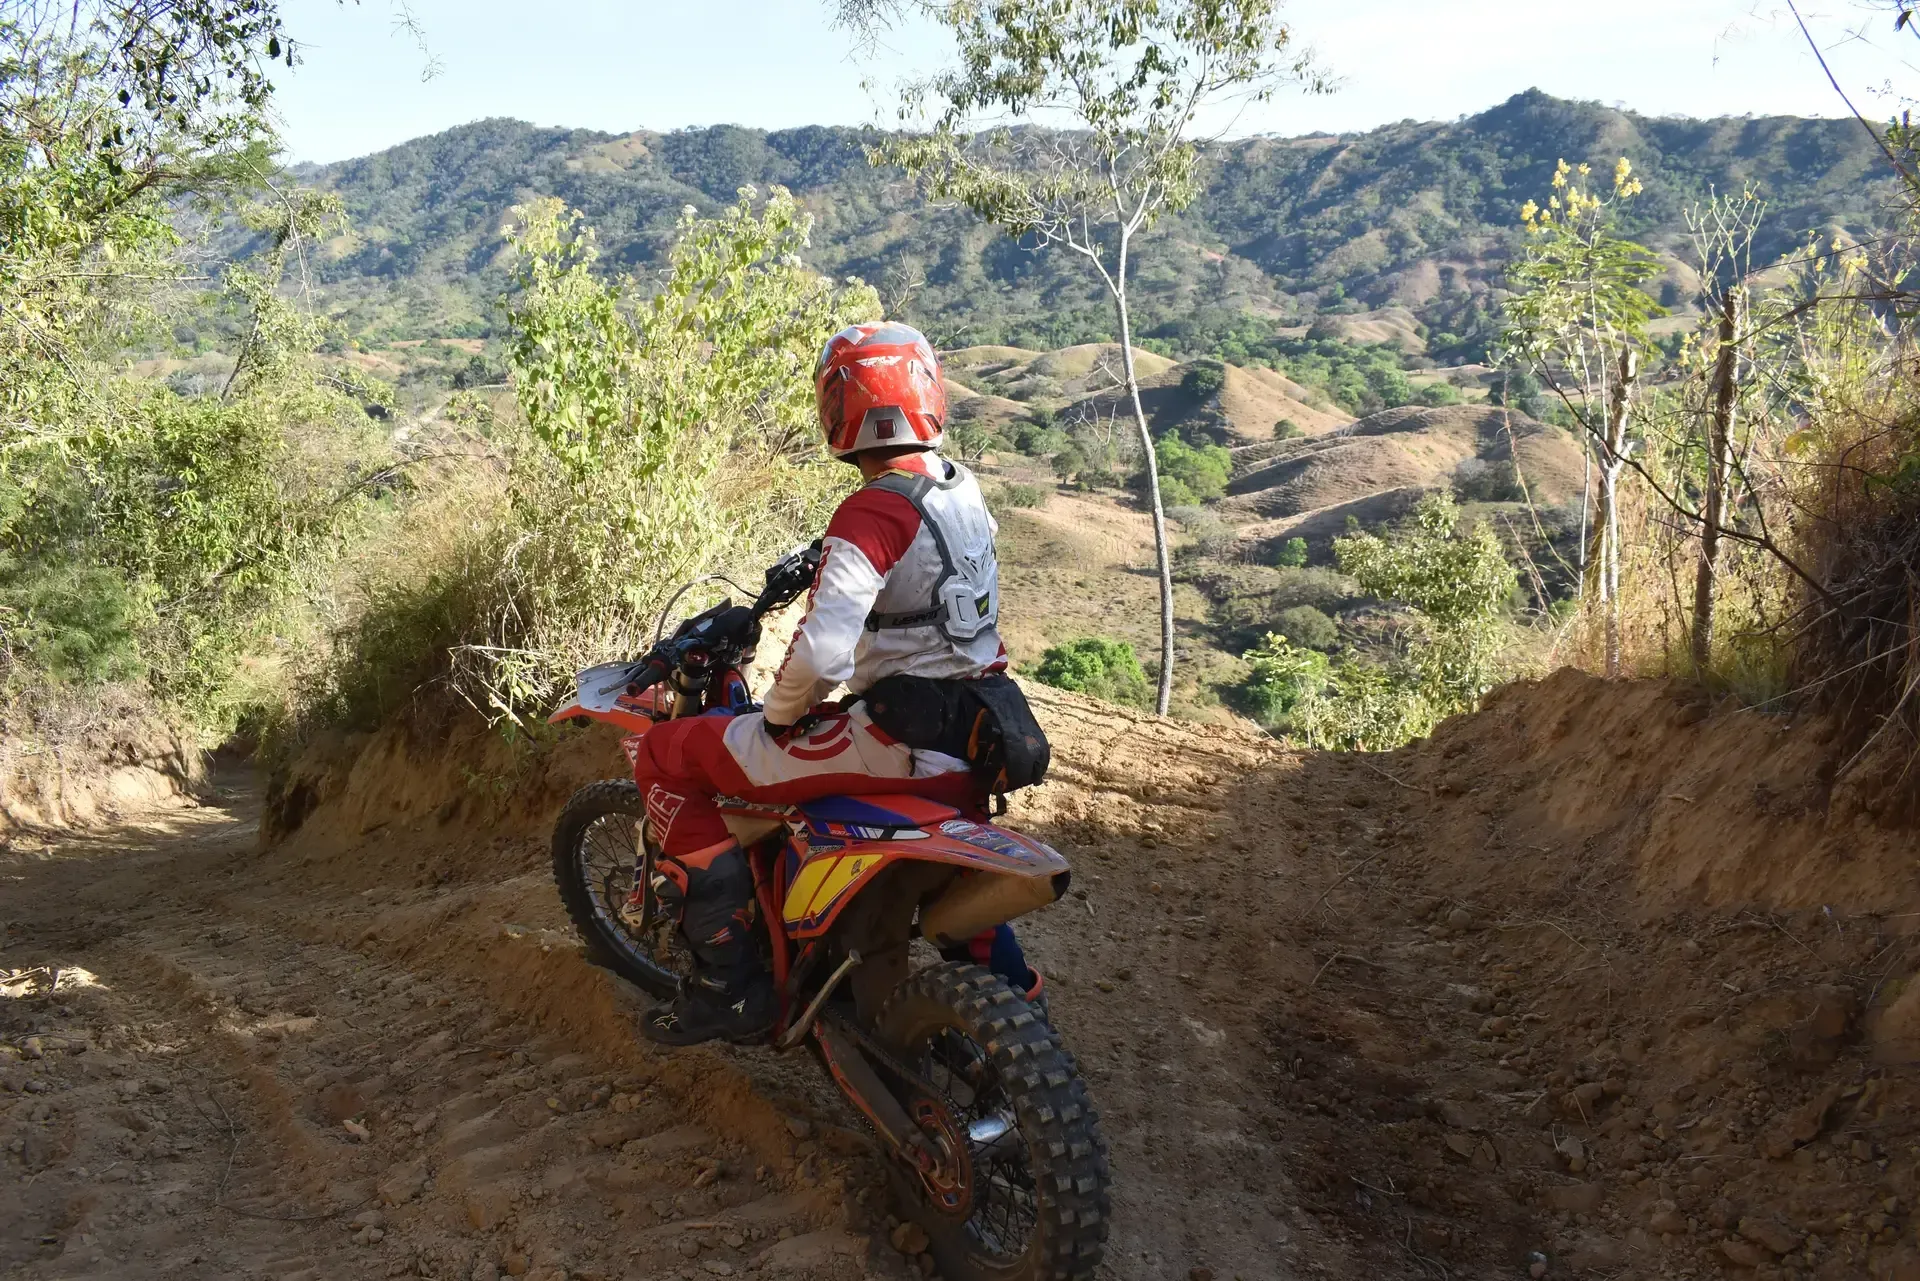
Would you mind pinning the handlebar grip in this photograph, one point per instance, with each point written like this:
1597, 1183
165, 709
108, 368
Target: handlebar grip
652, 673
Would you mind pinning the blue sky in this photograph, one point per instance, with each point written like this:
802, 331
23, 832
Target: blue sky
614, 66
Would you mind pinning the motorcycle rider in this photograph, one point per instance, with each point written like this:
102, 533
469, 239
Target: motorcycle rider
907, 588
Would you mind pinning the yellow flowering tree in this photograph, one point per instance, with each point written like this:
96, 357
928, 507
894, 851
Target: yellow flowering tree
1578, 320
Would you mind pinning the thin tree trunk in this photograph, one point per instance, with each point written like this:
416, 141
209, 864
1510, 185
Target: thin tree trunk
1610, 468
1165, 692
1586, 501
1719, 477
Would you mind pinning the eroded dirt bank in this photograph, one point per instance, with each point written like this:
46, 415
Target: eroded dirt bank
109, 759
1600, 981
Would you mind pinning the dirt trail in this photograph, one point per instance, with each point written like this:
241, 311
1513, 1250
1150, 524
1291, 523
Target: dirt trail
202, 1078
1603, 981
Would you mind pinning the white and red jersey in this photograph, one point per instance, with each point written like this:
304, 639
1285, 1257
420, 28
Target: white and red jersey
906, 586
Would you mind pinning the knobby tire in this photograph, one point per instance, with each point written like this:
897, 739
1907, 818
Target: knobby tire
607, 944
1066, 1155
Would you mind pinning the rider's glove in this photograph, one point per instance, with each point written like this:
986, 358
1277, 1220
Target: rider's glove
783, 734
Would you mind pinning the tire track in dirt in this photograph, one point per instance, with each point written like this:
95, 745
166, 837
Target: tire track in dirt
202, 1082
1599, 982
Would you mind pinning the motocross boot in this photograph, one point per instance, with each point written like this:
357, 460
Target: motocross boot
1000, 951
730, 995
1036, 996
738, 1007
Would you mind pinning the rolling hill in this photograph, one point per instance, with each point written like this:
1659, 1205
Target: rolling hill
1409, 223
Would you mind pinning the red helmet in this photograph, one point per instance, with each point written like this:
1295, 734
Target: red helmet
878, 387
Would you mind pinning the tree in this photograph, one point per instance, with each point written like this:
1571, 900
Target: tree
669, 431
1578, 319
1723, 231
1129, 77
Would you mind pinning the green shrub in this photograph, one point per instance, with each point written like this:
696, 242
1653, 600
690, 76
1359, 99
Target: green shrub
1106, 669
1204, 379
78, 625
1305, 625
653, 444
1292, 554
1287, 429
1436, 395
1174, 492
1521, 390
1019, 495
1457, 581
1364, 707
1389, 385
1320, 586
1475, 481
169, 533
1190, 473
1284, 675
1037, 439
968, 438
1211, 535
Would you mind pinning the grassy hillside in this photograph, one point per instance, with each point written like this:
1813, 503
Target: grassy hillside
1418, 216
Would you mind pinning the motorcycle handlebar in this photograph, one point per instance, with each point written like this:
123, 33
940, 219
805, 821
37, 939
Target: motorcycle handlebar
787, 578
650, 671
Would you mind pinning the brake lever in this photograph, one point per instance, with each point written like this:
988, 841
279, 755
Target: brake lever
790, 576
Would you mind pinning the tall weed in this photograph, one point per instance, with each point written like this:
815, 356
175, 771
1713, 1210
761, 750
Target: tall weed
654, 438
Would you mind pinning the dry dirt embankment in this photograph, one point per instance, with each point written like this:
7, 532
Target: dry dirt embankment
1601, 975
106, 762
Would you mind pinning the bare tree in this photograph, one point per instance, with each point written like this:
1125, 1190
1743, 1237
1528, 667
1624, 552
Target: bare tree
1723, 231
1129, 81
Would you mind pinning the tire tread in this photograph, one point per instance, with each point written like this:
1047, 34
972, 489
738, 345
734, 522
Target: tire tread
1050, 1101
594, 801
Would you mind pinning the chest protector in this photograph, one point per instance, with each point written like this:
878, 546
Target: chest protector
966, 596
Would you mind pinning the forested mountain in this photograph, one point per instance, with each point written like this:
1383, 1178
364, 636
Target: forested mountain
1416, 214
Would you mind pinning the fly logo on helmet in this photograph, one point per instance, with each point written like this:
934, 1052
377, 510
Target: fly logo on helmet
878, 387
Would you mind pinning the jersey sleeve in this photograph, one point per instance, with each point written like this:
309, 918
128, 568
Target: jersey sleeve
866, 538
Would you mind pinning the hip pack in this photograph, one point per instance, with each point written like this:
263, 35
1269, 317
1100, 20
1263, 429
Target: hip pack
986, 722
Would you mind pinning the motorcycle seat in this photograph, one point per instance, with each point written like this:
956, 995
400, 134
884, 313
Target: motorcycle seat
880, 810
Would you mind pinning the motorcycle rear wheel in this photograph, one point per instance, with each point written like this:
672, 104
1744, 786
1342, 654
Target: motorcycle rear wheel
597, 855
1032, 1186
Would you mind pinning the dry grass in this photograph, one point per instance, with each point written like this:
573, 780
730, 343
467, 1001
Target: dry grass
1860, 642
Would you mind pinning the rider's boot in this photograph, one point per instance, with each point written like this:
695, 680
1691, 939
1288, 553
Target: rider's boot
736, 1007
1000, 951
1037, 997
730, 995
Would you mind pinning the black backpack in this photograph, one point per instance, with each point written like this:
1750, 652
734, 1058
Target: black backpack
986, 722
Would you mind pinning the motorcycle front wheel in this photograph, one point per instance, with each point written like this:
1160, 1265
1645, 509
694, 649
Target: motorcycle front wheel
599, 859
1022, 1194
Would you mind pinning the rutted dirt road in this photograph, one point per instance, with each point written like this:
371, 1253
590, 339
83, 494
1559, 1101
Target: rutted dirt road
196, 1084
1603, 981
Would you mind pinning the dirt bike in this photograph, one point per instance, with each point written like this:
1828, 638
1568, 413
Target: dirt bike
995, 1150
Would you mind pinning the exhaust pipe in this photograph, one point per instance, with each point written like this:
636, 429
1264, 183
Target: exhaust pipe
978, 901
